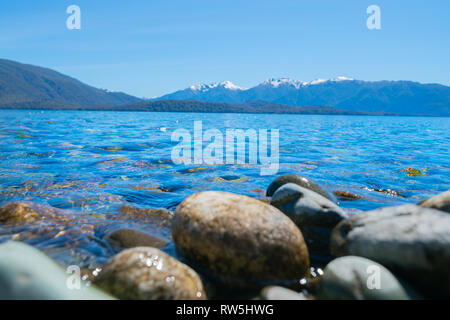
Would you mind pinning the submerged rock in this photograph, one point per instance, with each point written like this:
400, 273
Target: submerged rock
357, 278
315, 215
130, 238
145, 273
240, 241
412, 172
439, 202
410, 240
159, 217
301, 181
23, 212
28, 274
390, 192
230, 179
347, 196
193, 170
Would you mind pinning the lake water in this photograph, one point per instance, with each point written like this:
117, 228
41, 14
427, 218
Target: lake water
92, 163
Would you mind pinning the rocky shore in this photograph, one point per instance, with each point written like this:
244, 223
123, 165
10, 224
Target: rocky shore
296, 244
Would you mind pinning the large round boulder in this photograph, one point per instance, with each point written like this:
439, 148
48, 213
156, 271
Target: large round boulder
301, 181
145, 273
239, 241
410, 240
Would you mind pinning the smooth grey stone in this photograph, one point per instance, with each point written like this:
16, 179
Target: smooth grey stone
306, 207
315, 215
28, 274
357, 278
280, 293
410, 240
301, 181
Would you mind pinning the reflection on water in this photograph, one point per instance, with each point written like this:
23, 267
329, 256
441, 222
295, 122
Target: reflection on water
94, 163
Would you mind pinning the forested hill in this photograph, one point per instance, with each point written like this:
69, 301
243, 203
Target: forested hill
22, 84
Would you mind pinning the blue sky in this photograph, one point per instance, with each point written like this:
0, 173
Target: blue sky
151, 47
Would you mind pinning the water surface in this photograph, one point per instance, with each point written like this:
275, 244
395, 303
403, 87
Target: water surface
92, 163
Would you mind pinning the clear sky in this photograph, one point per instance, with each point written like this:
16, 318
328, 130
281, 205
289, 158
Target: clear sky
151, 47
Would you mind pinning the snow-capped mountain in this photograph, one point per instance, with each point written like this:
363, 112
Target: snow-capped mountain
282, 82
226, 91
212, 92
403, 97
287, 82
215, 85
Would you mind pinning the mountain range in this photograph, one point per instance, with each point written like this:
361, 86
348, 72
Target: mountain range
399, 97
24, 86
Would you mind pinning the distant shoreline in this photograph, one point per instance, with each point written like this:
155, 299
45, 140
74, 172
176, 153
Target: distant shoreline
197, 106
228, 112
191, 106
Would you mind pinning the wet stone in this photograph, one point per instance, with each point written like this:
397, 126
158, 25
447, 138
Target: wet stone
145, 273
